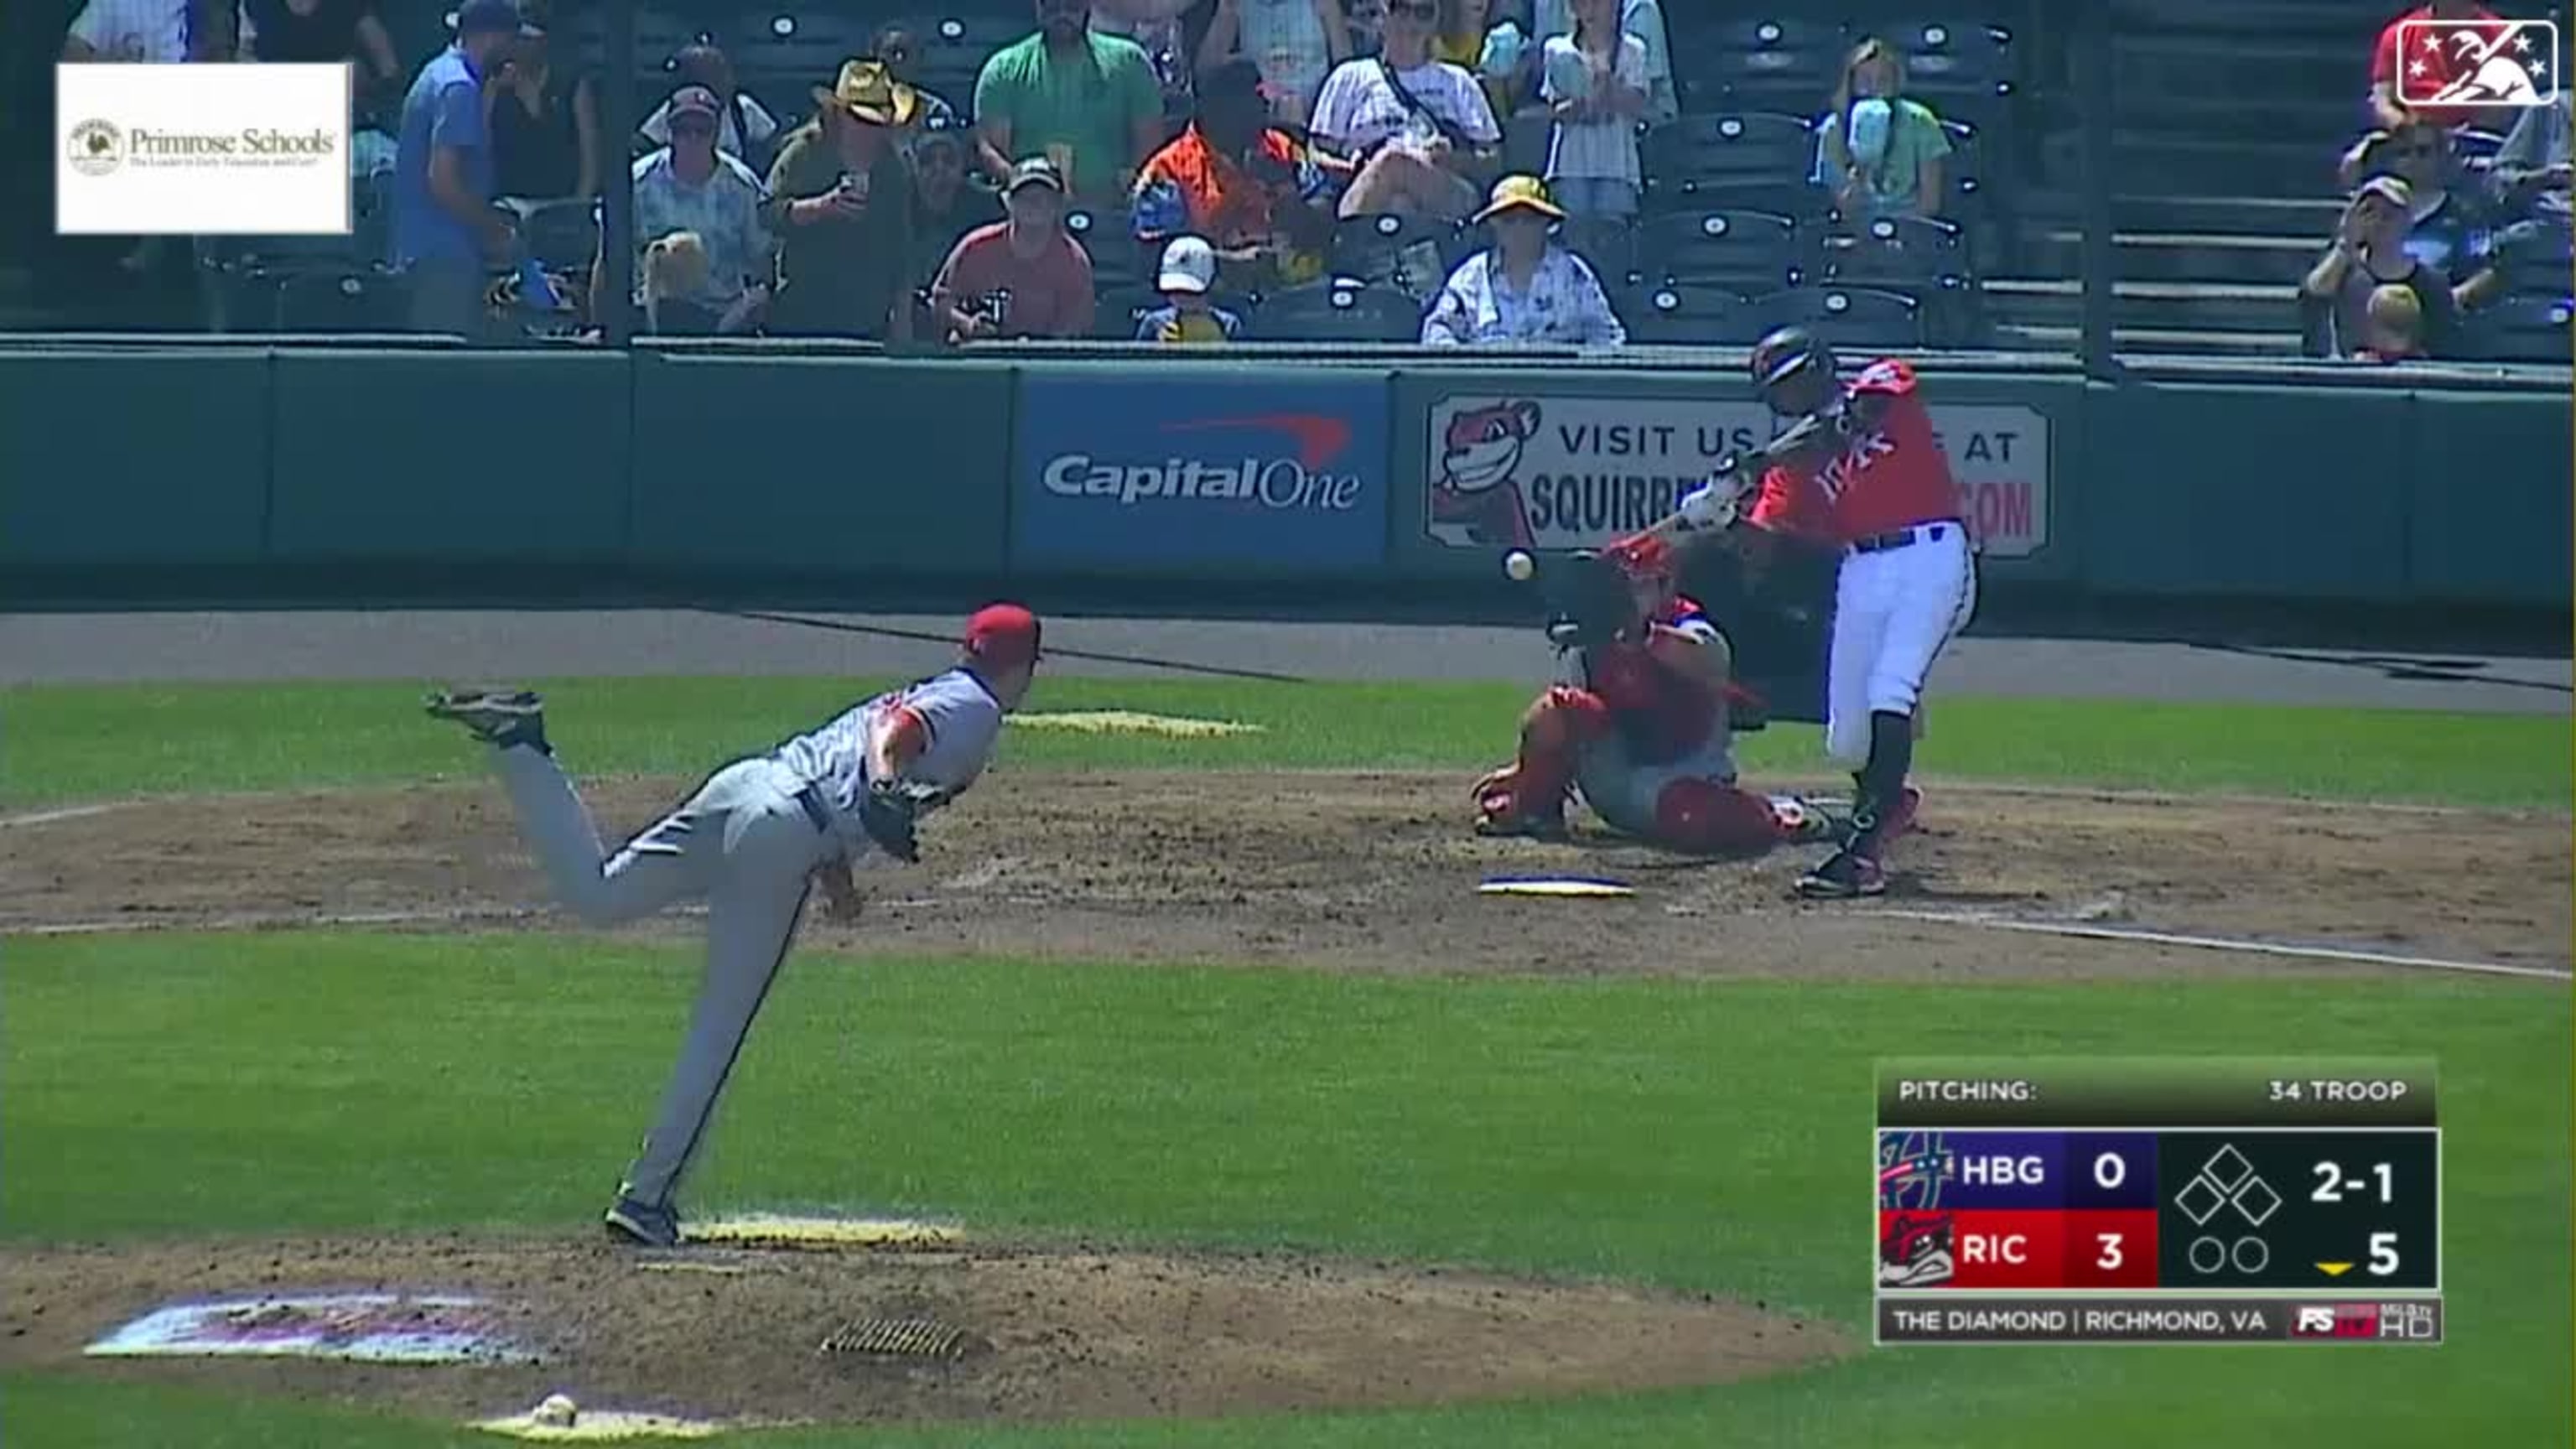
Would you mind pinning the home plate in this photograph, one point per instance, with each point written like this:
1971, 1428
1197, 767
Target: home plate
775, 1230
604, 1424
1554, 886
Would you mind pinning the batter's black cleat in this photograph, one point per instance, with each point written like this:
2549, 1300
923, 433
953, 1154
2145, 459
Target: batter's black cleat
498, 718
1848, 875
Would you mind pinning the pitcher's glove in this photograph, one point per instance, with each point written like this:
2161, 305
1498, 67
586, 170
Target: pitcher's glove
888, 816
1591, 602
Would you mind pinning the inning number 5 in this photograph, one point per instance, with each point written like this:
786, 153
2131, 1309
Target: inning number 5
2383, 1254
2111, 1257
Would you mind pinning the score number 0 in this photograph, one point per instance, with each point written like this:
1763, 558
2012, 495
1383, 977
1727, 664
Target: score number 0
2334, 1187
2110, 1169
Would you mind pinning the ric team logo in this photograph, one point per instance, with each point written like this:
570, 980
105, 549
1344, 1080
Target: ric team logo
1241, 462
1915, 1250
1475, 491
1912, 1169
2477, 62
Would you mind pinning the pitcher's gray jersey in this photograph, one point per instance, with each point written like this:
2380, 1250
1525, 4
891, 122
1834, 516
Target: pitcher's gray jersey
960, 723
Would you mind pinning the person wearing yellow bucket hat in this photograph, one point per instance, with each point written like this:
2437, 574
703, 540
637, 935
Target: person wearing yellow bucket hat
1526, 289
841, 205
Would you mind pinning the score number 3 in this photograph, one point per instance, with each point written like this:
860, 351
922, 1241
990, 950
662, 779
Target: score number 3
2332, 1186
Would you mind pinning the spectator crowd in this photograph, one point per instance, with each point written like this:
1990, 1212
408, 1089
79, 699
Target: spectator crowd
1461, 173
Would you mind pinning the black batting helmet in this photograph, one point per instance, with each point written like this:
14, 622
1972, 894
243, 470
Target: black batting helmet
1786, 353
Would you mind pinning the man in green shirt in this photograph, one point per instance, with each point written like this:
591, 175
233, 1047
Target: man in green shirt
840, 202
1090, 103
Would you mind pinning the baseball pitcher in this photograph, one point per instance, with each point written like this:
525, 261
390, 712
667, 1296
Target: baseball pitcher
1861, 467
752, 842
1638, 722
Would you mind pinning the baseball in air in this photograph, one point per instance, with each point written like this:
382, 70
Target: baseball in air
1519, 566
557, 1412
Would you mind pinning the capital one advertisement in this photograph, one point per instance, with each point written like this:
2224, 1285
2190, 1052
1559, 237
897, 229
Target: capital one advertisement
1531, 470
1175, 472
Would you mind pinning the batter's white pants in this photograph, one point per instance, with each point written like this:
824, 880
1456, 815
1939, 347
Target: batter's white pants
1894, 610
744, 846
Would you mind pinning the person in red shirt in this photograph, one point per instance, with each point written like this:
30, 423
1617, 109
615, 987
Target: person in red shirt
1022, 277
1862, 469
1639, 727
2430, 62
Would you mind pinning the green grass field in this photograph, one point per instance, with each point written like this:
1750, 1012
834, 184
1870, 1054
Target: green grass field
1697, 1134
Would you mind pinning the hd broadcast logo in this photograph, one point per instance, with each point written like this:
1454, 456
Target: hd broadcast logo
1915, 1248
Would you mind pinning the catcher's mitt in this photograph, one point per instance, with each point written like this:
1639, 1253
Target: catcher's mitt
1590, 601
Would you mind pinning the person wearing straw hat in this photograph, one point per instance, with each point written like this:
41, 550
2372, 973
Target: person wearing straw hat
841, 204
1526, 289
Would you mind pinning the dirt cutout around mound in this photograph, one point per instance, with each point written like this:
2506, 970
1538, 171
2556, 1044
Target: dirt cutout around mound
1378, 872
1047, 1333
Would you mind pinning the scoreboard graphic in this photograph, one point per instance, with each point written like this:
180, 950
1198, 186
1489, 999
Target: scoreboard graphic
2169, 1200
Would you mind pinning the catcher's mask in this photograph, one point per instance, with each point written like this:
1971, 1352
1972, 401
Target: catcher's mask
1793, 370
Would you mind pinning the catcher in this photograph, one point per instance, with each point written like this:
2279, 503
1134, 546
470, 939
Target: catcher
752, 842
1638, 723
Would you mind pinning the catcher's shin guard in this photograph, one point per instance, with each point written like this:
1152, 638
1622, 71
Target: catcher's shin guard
1705, 816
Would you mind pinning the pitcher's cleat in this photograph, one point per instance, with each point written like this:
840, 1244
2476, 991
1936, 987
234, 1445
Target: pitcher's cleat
643, 1224
498, 718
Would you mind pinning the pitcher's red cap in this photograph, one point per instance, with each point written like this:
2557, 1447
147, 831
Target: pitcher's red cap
1002, 636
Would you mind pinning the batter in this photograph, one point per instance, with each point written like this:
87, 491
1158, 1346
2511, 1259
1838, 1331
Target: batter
752, 842
1875, 483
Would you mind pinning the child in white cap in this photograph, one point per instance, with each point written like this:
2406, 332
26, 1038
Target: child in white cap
1187, 316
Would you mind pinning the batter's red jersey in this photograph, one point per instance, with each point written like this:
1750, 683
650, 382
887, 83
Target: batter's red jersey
1891, 478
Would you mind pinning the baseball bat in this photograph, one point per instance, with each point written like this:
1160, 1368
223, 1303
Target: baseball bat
1796, 436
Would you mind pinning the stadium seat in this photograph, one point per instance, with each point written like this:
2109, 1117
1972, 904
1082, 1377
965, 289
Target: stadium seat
1905, 250
2526, 328
1753, 145
1754, 250
1398, 251
1116, 260
336, 300
1944, 57
1119, 310
1340, 311
1845, 316
1765, 60
1792, 196
559, 233
1678, 315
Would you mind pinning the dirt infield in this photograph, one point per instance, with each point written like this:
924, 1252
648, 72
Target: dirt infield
1047, 1333
1376, 872
1341, 871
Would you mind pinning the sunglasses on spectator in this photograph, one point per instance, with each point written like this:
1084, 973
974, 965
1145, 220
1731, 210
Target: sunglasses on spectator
693, 127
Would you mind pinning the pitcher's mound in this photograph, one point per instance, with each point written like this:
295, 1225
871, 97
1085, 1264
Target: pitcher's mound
968, 1330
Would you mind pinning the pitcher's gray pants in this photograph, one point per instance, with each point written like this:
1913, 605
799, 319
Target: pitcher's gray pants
742, 844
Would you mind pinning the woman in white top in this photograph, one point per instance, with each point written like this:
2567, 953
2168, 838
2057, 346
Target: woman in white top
1524, 290
704, 65
1417, 128
1594, 82
1294, 44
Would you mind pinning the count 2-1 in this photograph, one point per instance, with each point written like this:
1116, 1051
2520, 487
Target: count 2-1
2333, 1186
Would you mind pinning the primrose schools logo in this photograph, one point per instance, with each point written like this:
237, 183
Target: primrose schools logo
99, 148
1277, 484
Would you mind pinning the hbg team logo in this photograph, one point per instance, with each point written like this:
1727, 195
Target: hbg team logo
1911, 1170
95, 148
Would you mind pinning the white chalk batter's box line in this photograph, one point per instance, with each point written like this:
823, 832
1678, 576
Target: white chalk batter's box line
2441, 1260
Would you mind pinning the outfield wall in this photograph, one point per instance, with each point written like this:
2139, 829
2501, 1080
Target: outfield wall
573, 471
